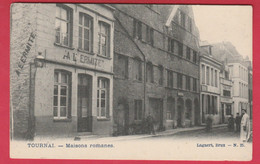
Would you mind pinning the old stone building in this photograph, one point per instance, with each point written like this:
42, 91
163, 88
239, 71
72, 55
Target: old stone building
156, 66
239, 74
61, 69
210, 85
226, 95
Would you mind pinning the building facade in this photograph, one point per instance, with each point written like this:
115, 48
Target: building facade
250, 91
226, 101
61, 69
156, 66
210, 85
239, 76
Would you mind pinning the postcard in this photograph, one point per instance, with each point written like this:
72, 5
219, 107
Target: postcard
131, 81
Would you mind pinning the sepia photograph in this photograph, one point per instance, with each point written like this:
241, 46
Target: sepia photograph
131, 81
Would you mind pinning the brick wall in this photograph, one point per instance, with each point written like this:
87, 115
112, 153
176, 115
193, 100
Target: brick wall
127, 89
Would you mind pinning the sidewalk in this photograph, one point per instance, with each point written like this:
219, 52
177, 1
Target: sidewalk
140, 136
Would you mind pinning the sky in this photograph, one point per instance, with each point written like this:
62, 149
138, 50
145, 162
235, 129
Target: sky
231, 23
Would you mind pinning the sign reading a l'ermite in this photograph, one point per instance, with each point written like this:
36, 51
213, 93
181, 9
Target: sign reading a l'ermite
82, 58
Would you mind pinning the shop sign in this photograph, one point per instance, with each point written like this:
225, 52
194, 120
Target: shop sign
204, 88
180, 94
82, 58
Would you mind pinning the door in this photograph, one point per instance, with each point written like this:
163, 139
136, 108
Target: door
223, 112
156, 107
84, 103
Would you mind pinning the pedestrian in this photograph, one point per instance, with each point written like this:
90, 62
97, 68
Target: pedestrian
209, 121
150, 122
231, 123
245, 126
238, 122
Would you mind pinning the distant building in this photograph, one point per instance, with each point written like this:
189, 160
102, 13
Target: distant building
210, 85
156, 66
239, 76
226, 101
61, 69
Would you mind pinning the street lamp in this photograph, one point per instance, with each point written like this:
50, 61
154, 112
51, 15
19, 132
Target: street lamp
39, 60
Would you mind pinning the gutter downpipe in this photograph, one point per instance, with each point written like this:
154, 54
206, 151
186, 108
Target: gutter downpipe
129, 36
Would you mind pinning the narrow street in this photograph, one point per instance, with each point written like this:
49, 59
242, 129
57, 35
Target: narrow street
216, 133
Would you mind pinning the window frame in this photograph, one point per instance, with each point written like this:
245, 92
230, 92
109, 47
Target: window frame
188, 83
170, 79
125, 58
106, 36
149, 70
195, 89
83, 27
160, 81
106, 99
69, 26
179, 80
59, 85
188, 52
180, 49
138, 71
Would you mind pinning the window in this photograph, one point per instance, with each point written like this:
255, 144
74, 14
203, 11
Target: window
121, 67
182, 19
149, 72
188, 53
216, 78
194, 84
226, 93
187, 82
138, 69
179, 82
63, 27
85, 32
207, 74
138, 112
170, 45
160, 75
194, 56
189, 24
180, 49
228, 109
226, 75
137, 29
103, 98
61, 95
170, 109
212, 76
169, 78
203, 74
149, 35
104, 39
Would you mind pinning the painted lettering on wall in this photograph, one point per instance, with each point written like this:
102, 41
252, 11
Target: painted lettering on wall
84, 59
24, 54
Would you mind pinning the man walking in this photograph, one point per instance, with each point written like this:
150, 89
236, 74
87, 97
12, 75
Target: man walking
245, 126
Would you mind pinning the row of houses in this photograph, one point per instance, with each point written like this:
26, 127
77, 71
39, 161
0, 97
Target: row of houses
100, 69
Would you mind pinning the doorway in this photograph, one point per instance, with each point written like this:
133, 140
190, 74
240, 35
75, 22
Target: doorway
180, 107
156, 109
84, 103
